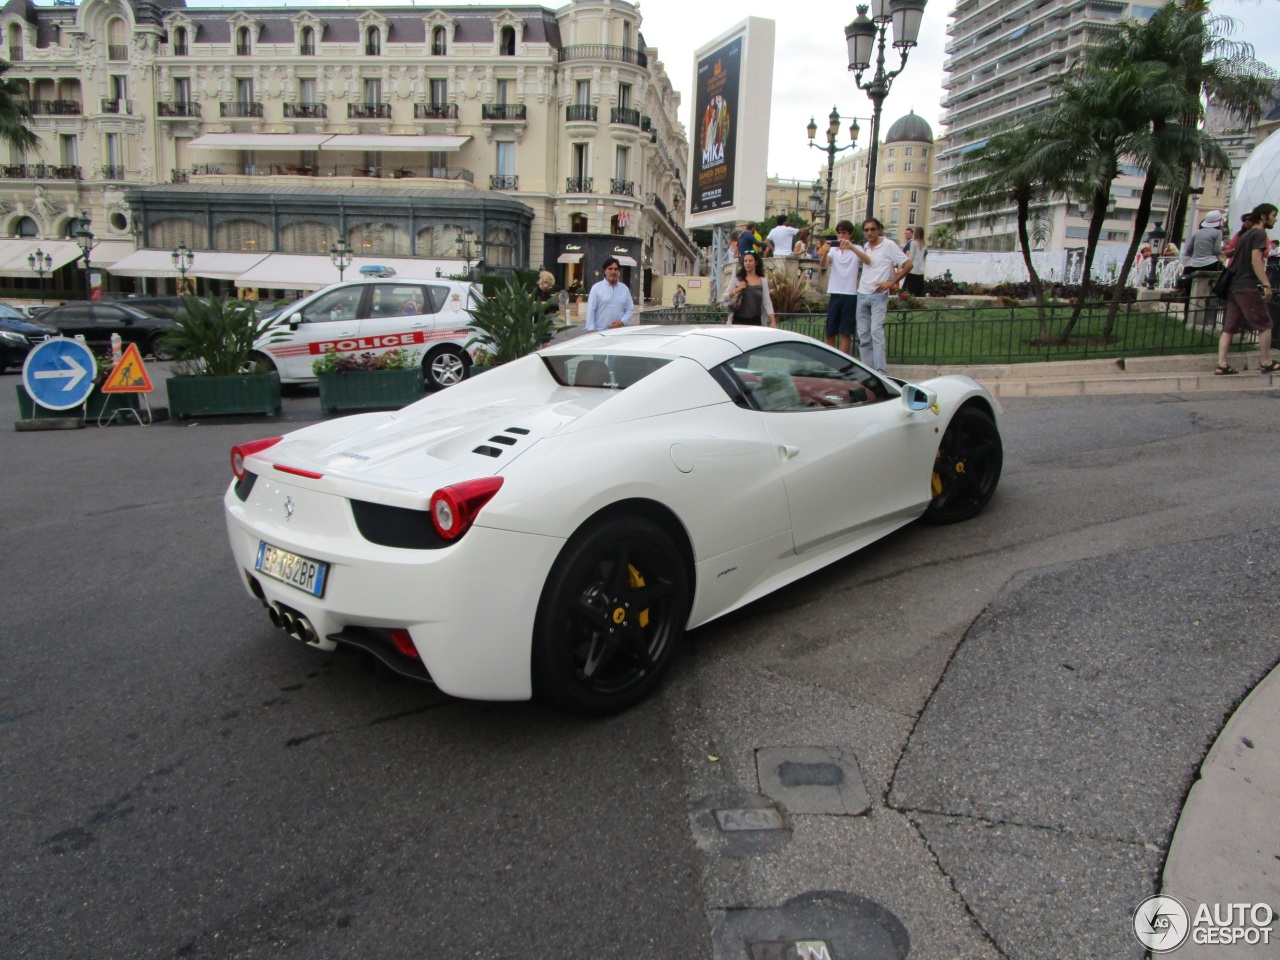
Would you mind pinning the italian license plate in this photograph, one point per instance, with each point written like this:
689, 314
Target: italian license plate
306, 574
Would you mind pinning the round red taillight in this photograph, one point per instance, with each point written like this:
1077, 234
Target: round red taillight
242, 450
454, 508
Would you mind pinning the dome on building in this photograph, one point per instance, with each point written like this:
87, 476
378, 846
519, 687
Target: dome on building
911, 128
1258, 182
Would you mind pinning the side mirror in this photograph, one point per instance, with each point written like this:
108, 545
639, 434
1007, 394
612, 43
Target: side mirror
293, 320
916, 399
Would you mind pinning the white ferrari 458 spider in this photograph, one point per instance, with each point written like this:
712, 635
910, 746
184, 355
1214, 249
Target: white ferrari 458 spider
552, 527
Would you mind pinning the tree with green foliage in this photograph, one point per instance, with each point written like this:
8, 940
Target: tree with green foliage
15, 112
1013, 167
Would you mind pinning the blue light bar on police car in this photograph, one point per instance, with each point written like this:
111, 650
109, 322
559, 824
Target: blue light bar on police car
376, 270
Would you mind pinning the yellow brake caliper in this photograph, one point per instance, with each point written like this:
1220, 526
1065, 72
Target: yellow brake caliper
635, 581
935, 483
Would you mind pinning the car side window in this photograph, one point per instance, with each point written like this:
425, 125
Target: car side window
397, 300
439, 297
112, 315
788, 377
76, 314
340, 304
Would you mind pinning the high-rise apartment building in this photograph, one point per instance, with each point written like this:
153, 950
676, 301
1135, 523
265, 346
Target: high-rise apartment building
517, 136
1002, 57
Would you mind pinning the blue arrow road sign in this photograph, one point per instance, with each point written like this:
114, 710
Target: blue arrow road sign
59, 373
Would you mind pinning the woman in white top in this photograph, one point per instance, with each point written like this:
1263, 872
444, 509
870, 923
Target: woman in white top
748, 295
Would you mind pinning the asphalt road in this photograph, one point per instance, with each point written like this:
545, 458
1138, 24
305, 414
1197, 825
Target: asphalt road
1024, 698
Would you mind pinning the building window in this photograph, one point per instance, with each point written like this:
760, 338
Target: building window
68, 149
439, 92
893, 215
507, 44
27, 227
906, 166
506, 159
372, 89
924, 151
893, 152
581, 153
915, 198
504, 92
911, 215
242, 42
897, 196
622, 162
244, 89
582, 92
307, 90
439, 42
307, 42
180, 47
373, 42
182, 89
889, 169
624, 95
578, 223
908, 151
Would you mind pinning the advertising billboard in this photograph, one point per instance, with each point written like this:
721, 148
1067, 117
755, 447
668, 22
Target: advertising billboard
729, 129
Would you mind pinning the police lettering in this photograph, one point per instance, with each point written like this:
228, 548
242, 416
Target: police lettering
385, 342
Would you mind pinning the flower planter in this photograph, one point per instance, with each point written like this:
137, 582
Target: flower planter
100, 405
223, 396
369, 389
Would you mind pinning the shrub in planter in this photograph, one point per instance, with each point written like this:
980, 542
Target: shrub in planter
364, 381
511, 323
213, 374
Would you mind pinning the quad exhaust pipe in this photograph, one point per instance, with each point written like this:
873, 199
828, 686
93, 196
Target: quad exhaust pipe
298, 627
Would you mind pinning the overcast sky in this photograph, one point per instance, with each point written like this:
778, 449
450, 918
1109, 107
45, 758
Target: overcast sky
810, 71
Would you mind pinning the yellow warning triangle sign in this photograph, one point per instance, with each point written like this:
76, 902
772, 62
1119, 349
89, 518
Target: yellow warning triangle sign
128, 375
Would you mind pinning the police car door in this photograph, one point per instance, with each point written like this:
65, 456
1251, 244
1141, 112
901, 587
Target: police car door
329, 322
398, 315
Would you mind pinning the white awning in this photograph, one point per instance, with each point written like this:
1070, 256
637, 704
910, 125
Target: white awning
295, 271
623, 259
14, 253
259, 141
569, 258
422, 142
215, 265
107, 252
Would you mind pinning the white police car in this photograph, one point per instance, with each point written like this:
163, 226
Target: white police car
375, 314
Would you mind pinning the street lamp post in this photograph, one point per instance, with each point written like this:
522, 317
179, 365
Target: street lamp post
1156, 239
341, 253
861, 36
41, 263
816, 200
182, 260
464, 244
833, 131
85, 239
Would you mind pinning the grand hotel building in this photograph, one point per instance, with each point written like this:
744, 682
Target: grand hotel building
424, 137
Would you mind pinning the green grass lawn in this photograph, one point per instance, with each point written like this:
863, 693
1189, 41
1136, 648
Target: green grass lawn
978, 335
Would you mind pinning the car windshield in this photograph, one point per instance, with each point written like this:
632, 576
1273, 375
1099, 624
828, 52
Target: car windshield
608, 371
8, 313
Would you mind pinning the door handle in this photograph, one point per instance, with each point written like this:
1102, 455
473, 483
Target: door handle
787, 452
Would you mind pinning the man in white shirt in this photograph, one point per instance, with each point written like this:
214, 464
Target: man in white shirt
609, 303
842, 258
884, 266
781, 239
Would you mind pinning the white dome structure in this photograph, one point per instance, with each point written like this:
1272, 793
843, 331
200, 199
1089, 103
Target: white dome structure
1258, 182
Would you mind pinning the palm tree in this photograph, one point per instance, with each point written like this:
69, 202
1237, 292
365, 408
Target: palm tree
15, 112
1098, 117
1012, 168
1182, 43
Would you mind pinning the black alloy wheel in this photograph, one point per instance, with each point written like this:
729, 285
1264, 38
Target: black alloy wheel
445, 366
612, 613
966, 468
155, 347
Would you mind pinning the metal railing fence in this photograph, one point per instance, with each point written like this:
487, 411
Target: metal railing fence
998, 334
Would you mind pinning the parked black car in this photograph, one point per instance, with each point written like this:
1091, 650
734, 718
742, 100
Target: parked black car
97, 321
166, 307
18, 335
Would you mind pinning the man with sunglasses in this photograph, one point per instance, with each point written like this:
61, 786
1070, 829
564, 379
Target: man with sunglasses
884, 265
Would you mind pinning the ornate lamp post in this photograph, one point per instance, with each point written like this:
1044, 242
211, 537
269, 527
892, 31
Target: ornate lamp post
464, 245
182, 260
833, 131
341, 253
41, 263
1156, 239
815, 201
866, 33
85, 239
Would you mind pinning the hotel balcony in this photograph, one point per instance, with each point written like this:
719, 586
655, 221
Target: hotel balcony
240, 109
435, 111
177, 109
602, 51
306, 111
368, 111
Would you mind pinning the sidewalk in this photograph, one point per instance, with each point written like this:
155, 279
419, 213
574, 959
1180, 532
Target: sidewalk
1226, 848
1176, 374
